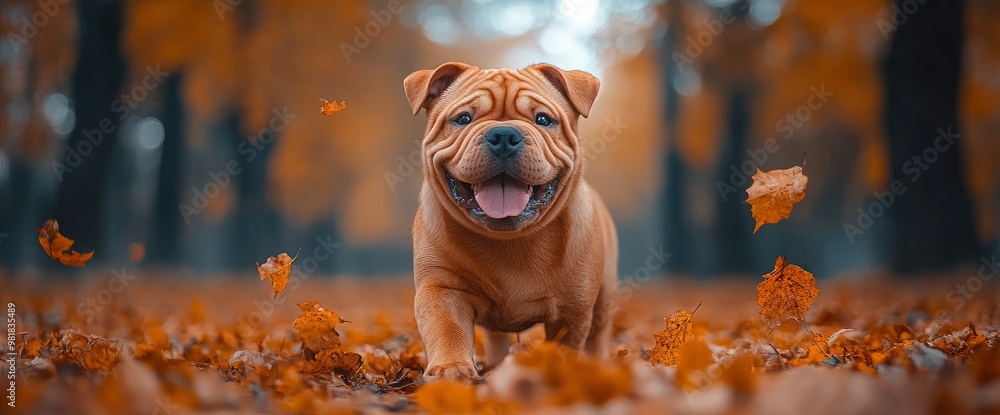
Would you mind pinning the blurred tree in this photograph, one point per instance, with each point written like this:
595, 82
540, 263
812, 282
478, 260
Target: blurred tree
675, 167
97, 81
164, 238
933, 221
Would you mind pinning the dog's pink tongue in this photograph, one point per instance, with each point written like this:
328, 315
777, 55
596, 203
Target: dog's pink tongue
503, 196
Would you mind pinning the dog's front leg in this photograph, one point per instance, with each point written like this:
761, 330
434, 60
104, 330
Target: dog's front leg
445, 319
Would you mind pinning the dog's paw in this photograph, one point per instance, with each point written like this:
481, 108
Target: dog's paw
454, 370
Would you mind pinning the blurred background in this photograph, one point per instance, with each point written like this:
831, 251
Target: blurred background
186, 134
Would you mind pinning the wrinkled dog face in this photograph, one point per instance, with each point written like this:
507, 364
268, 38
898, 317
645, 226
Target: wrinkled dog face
501, 149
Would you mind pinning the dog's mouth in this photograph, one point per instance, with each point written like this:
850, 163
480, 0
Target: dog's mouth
501, 196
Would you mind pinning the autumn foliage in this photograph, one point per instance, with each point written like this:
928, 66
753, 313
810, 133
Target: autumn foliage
58, 246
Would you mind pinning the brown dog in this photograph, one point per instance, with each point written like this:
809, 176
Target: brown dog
507, 234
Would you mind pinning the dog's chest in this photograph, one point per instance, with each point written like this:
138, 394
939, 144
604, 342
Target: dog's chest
515, 304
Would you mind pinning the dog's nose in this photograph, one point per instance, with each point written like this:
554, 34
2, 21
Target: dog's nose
504, 141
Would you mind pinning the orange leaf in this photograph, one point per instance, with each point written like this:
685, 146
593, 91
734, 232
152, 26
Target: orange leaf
448, 397
344, 363
329, 108
680, 326
317, 327
693, 361
773, 193
573, 378
277, 269
786, 293
57, 245
739, 374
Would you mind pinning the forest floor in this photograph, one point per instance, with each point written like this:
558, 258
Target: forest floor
159, 343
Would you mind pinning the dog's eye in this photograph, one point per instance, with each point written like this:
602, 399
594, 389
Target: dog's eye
543, 120
463, 119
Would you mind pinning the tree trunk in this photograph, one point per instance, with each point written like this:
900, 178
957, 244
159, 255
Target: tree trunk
933, 222
97, 80
733, 228
166, 218
676, 230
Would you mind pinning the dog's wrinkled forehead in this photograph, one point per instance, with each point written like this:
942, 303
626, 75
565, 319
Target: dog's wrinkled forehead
503, 93
457, 83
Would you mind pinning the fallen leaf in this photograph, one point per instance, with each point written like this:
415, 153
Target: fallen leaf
329, 108
342, 362
693, 361
680, 327
786, 293
100, 355
773, 193
446, 397
574, 379
739, 374
277, 269
317, 327
56, 246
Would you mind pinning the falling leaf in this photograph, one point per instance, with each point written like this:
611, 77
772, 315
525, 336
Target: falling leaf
773, 193
57, 245
693, 361
329, 108
680, 327
277, 269
786, 293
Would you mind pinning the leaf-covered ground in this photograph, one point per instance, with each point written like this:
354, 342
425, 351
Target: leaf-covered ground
151, 343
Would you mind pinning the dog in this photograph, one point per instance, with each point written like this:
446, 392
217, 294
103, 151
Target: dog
507, 232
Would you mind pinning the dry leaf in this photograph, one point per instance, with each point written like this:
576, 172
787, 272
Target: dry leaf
100, 355
329, 108
574, 379
773, 193
786, 293
693, 361
739, 374
57, 245
680, 326
339, 361
446, 397
317, 327
277, 269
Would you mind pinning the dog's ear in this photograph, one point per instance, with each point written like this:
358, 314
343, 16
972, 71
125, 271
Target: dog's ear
579, 87
424, 85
